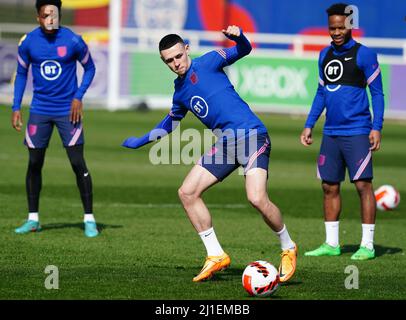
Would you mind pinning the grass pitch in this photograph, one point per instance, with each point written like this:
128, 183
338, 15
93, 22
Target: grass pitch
147, 248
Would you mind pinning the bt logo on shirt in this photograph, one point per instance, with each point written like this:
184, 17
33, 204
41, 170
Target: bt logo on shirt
334, 70
51, 70
199, 106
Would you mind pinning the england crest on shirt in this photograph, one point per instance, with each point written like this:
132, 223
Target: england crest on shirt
62, 51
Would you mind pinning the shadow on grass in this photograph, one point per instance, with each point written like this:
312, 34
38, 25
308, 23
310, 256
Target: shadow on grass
291, 283
100, 226
237, 273
379, 250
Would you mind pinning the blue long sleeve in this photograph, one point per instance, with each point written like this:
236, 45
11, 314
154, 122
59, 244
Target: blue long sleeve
86, 60
241, 49
166, 126
19, 87
378, 104
317, 108
90, 71
369, 64
319, 102
220, 58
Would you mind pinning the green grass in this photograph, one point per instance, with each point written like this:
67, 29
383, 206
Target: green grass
149, 250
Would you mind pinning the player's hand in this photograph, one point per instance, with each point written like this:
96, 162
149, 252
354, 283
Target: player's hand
232, 32
306, 137
76, 111
132, 142
375, 140
17, 120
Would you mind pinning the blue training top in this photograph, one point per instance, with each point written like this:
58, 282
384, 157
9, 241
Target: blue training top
53, 60
347, 105
206, 91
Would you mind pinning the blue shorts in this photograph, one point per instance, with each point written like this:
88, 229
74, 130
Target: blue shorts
340, 152
226, 155
39, 131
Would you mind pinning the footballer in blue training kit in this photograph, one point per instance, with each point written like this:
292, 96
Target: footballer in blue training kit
52, 51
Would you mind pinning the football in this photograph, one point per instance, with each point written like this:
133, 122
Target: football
387, 197
260, 278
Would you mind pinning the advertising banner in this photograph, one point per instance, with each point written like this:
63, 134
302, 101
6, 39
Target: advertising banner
273, 84
286, 83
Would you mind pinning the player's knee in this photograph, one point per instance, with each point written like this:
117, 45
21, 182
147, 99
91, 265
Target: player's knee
78, 165
187, 195
183, 194
258, 201
35, 163
363, 186
331, 190
76, 158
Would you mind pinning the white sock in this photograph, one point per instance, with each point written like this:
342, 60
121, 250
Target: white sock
33, 216
368, 236
332, 231
211, 243
286, 241
88, 217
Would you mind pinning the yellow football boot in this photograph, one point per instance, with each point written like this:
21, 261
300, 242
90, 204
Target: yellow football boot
288, 264
213, 264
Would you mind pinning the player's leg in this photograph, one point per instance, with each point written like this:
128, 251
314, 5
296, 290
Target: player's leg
368, 214
73, 141
33, 180
331, 170
368, 202
84, 183
37, 135
83, 177
256, 185
257, 148
359, 162
33, 184
212, 167
196, 182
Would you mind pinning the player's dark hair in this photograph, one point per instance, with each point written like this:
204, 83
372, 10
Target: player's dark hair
40, 3
338, 9
169, 41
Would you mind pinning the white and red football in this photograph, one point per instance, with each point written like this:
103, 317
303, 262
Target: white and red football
260, 278
387, 197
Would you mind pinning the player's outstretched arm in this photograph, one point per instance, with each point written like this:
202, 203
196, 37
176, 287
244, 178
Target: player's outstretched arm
242, 47
166, 126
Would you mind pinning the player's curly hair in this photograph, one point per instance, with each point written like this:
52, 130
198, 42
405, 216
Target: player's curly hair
40, 3
338, 9
169, 41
